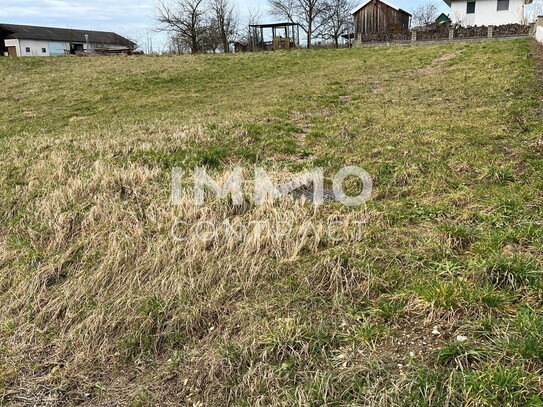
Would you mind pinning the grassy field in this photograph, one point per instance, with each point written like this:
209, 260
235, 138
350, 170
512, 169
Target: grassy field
99, 305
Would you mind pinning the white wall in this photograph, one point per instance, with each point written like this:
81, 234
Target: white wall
486, 13
51, 48
35, 48
539, 34
13, 43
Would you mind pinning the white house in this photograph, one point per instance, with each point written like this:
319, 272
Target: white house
31, 41
487, 12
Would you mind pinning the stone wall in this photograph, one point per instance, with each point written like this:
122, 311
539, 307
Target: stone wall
511, 30
386, 36
471, 32
447, 33
436, 34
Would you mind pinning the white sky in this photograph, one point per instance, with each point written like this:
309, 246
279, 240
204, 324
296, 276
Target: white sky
130, 18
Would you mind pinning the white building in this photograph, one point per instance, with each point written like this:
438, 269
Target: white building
487, 12
31, 41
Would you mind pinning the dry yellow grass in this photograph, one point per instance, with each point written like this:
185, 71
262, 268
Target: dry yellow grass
99, 305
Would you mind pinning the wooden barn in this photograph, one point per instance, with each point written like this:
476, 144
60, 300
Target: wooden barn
375, 16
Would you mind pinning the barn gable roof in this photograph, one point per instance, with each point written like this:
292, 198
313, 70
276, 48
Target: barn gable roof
357, 9
30, 32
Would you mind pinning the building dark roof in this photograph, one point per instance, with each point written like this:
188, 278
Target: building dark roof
274, 25
29, 32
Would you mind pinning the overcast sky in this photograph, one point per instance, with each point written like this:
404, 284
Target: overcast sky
131, 18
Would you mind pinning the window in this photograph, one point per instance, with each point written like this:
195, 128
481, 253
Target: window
44, 50
503, 5
471, 7
27, 49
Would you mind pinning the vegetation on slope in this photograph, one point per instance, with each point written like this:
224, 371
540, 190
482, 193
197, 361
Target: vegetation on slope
99, 305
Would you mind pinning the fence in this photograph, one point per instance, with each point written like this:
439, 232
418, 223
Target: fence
446, 34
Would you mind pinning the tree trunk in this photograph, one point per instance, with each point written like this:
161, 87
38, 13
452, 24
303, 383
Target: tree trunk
194, 49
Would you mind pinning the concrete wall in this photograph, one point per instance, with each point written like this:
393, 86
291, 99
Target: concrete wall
539, 34
486, 13
33, 48
539, 29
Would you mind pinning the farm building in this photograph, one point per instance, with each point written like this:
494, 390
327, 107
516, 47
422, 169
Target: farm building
291, 38
375, 16
31, 41
487, 12
443, 19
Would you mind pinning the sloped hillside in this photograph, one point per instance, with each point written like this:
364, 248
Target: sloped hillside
434, 297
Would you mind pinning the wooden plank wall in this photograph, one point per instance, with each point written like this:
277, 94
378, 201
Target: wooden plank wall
379, 17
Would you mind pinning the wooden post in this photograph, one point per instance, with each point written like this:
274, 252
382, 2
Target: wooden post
255, 39
451, 33
413, 36
490, 31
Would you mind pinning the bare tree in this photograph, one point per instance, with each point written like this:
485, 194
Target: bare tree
212, 38
337, 20
185, 19
254, 16
424, 14
175, 44
310, 14
460, 19
226, 19
283, 9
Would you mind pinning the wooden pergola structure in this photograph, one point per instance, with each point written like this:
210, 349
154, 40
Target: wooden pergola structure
290, 40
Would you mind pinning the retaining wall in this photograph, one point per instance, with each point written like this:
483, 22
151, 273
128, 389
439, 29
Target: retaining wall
446, 34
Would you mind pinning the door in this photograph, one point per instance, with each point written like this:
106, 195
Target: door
74, 48
12, 51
